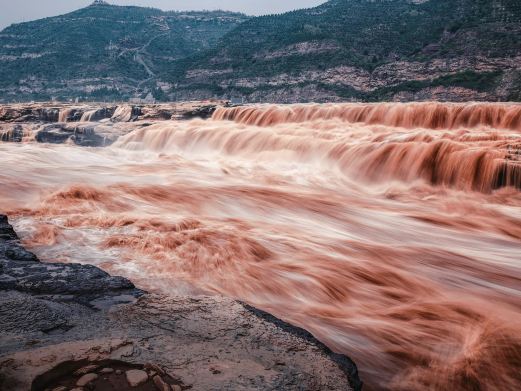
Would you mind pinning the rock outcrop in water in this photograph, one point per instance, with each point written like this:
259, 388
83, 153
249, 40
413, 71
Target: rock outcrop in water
61, 322
90, 125
62, 112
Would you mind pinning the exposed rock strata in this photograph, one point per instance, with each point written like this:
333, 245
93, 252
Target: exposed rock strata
57, 315
62, 112
93, 125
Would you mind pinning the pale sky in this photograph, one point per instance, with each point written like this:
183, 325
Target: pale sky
15, 11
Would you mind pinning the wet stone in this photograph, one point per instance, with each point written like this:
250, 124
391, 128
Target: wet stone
85, 370
135, 377
160, 384
154, 368
86, 379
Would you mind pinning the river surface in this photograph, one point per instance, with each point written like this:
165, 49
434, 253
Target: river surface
392, 232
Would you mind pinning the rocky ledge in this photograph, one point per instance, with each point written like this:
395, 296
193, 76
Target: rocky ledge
93, 124
74, 327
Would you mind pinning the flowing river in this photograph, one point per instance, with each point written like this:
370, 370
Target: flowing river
392, 232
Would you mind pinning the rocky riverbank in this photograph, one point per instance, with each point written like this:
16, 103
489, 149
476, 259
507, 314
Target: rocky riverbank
93, 124
70, 326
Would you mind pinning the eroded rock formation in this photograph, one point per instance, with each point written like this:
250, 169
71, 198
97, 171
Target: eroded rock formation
90, 125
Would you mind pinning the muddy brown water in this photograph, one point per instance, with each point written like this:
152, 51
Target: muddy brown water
391, 232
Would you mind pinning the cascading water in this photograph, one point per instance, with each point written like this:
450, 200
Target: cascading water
481, 159
392, 232
429, 115
88, 115
64, 115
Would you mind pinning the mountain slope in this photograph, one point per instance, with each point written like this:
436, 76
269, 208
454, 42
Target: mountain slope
370, 50
341, 50
103, 51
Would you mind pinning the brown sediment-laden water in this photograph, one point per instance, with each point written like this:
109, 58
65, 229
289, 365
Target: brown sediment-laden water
391, 231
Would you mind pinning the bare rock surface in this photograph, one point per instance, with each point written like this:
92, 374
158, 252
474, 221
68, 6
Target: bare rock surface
93, 124
10, 247
60, 321
136, 377
86, 379
95, 112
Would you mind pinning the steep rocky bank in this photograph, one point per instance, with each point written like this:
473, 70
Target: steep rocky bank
61, 321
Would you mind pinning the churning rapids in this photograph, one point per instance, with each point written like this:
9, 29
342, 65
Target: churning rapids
392, 232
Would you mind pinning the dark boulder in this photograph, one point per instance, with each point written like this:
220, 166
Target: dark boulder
60, 133
203, 112
53, 134
85, 136
21, 271
10, 247
72, 115
14, 134
48, 114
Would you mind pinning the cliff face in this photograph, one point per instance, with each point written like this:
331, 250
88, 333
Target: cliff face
342, 50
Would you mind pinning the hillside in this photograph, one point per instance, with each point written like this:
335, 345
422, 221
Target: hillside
368, 50
103, 51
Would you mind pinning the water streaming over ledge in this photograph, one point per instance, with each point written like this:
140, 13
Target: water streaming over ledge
428, 115
392, 232
460, 145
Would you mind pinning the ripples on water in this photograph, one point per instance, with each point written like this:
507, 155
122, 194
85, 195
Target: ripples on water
392, 232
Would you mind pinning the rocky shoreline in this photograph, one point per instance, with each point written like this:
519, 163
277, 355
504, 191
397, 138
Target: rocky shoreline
61, 322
